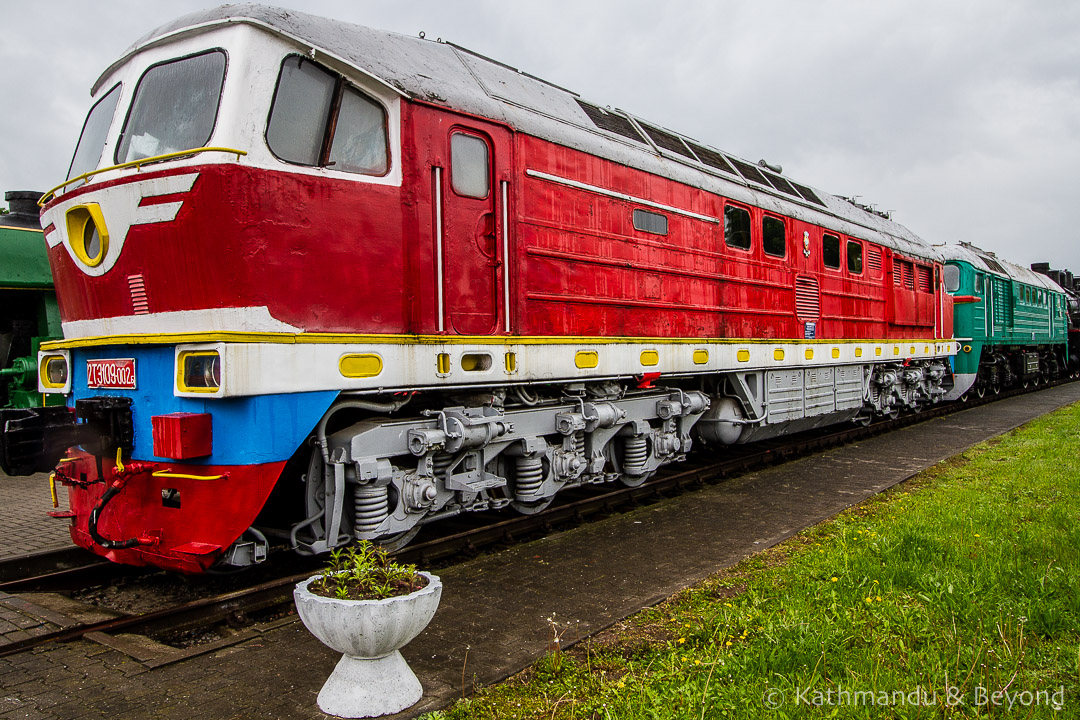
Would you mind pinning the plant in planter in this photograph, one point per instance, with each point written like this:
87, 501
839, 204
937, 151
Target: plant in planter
367, 608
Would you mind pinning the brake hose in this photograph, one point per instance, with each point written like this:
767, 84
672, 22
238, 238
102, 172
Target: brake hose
114, 489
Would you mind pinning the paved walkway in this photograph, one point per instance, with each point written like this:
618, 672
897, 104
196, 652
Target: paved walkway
493, 620
27, 529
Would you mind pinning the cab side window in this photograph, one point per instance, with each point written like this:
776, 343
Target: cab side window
469, 169
319, 120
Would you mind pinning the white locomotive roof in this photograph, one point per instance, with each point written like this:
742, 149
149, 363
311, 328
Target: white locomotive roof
445, 74
991, 263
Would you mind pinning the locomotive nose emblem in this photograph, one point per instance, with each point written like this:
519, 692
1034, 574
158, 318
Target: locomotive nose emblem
94, 227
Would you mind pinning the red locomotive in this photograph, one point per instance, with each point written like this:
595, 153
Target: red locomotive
323, 282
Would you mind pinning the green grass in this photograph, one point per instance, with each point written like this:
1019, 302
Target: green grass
921, 602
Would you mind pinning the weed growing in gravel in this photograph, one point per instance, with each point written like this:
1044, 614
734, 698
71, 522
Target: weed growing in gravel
957, 595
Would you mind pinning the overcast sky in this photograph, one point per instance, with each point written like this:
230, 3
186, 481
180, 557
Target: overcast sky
961, 117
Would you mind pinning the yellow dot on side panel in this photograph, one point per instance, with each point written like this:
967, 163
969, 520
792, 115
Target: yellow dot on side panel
778, 354
649, 358
858, 352
587, 359
744, 356
702, 356
809, 354
836, 353
360, 366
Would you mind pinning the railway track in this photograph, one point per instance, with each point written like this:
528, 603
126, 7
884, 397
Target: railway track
474, 535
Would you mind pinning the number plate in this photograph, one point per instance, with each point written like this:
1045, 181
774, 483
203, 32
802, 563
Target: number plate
114, 374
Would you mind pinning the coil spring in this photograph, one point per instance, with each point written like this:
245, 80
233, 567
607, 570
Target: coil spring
579, 442
371, 507
635, 454
439, 463
529, 476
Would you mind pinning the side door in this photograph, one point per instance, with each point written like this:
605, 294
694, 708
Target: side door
474, 241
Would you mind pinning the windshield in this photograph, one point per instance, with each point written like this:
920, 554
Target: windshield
952, 278
175, 107
95, 129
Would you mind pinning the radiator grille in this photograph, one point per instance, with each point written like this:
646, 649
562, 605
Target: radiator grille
903, 274
873, 259
140, 303
926, 278
807, 297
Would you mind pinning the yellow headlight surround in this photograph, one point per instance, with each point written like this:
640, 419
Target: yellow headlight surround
198, 371
53, 372
87, 234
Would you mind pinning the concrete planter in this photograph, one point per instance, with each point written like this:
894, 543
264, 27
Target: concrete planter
371, 678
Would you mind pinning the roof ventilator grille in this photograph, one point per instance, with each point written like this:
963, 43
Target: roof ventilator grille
712, 158
750, 172
781, 184
611, 122
809, 194
666, 140
807, 297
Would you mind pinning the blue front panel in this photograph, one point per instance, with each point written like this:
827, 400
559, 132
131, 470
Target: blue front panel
247, 430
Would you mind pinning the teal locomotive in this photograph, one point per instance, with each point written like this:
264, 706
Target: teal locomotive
1012, 323
28, 309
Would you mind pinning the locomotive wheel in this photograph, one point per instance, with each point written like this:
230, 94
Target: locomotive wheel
531, 508
634, 481
1026, 384
996, 388
980, 392
393, 543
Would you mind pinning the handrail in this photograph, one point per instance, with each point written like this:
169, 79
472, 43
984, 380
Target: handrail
138, 164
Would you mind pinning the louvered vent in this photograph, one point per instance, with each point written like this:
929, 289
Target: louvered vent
611, 122
750, 172
807, 297
993, 264
909, 275
925, 277
667, 141
873, 259
712, 158
809, 194
140, 303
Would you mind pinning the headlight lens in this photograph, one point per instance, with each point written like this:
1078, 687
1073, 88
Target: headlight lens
53, 371
200, 371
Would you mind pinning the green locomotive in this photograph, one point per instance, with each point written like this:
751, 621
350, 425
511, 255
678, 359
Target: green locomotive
1011, 323
28, 311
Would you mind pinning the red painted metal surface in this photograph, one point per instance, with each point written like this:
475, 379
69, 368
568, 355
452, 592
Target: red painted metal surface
190, 520
333, 255
182, 436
